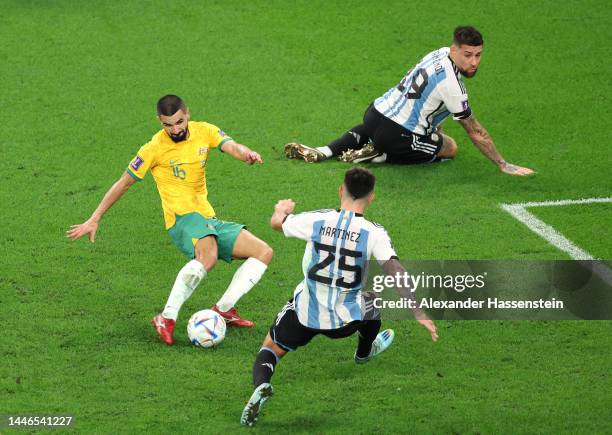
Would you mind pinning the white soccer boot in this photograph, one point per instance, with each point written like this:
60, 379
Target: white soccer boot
253, 407
381, 343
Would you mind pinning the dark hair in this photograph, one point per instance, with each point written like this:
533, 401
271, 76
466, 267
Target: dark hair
168, 105
359, 182
467, 35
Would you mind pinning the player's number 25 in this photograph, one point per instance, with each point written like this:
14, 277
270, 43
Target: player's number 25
342, 265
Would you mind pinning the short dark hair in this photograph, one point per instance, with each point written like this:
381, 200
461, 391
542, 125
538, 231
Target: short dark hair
168, 105
359, 182
467, 35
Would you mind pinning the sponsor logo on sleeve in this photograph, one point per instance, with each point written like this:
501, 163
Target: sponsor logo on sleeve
202, 151
136, 163
465, 105
222, 133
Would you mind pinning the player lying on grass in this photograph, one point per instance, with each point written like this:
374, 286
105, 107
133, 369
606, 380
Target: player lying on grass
177, 157
329, 300
405, 124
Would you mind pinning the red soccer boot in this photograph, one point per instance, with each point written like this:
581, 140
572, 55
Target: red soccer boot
164, 328
232, 318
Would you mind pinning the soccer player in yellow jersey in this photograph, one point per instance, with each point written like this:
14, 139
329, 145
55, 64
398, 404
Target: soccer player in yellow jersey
177, 157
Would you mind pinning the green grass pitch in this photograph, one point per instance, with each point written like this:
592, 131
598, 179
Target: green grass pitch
79, 84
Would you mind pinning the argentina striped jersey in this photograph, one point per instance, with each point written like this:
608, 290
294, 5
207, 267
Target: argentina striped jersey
431, 91
339, 242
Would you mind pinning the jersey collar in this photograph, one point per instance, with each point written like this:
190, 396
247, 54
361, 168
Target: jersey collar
356, 214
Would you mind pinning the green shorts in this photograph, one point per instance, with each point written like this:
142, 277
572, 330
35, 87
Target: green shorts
191, 227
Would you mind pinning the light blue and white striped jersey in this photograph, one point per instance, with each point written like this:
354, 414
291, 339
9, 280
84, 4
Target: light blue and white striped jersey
338, 245
428, 93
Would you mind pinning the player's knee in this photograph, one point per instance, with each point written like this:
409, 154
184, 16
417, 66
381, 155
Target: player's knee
207, 257
265, 253
207, 260
449, 148
453, 149
270, 344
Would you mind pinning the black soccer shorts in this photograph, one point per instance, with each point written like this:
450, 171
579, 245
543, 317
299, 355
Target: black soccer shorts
289, 333
401, 146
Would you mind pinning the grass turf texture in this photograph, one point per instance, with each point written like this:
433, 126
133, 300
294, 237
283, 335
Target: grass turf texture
79, 86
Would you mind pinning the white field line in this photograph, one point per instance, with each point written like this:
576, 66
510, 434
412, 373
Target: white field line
554, 237
547, 232
562, 202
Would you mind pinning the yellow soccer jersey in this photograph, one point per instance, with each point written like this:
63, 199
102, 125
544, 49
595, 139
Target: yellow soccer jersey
179, 169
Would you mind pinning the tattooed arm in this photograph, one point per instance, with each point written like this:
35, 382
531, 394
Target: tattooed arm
480, 137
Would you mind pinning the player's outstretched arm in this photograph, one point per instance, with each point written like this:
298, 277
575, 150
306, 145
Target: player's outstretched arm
90, 226
480, 137
282, 209
241, 152
394, 267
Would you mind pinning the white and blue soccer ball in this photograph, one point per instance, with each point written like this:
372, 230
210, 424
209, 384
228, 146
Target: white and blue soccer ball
206, 328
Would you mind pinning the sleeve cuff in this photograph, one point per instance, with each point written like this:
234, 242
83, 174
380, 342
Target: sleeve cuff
220, 146
285, 229
463, 115
131, 174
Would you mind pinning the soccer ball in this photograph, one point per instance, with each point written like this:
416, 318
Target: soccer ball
206, 328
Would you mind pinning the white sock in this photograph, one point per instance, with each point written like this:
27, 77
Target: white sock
326, 151
186, 282
380, 159
244, 279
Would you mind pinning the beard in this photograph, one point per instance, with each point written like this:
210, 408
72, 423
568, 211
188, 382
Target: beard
179, 137
468, 74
